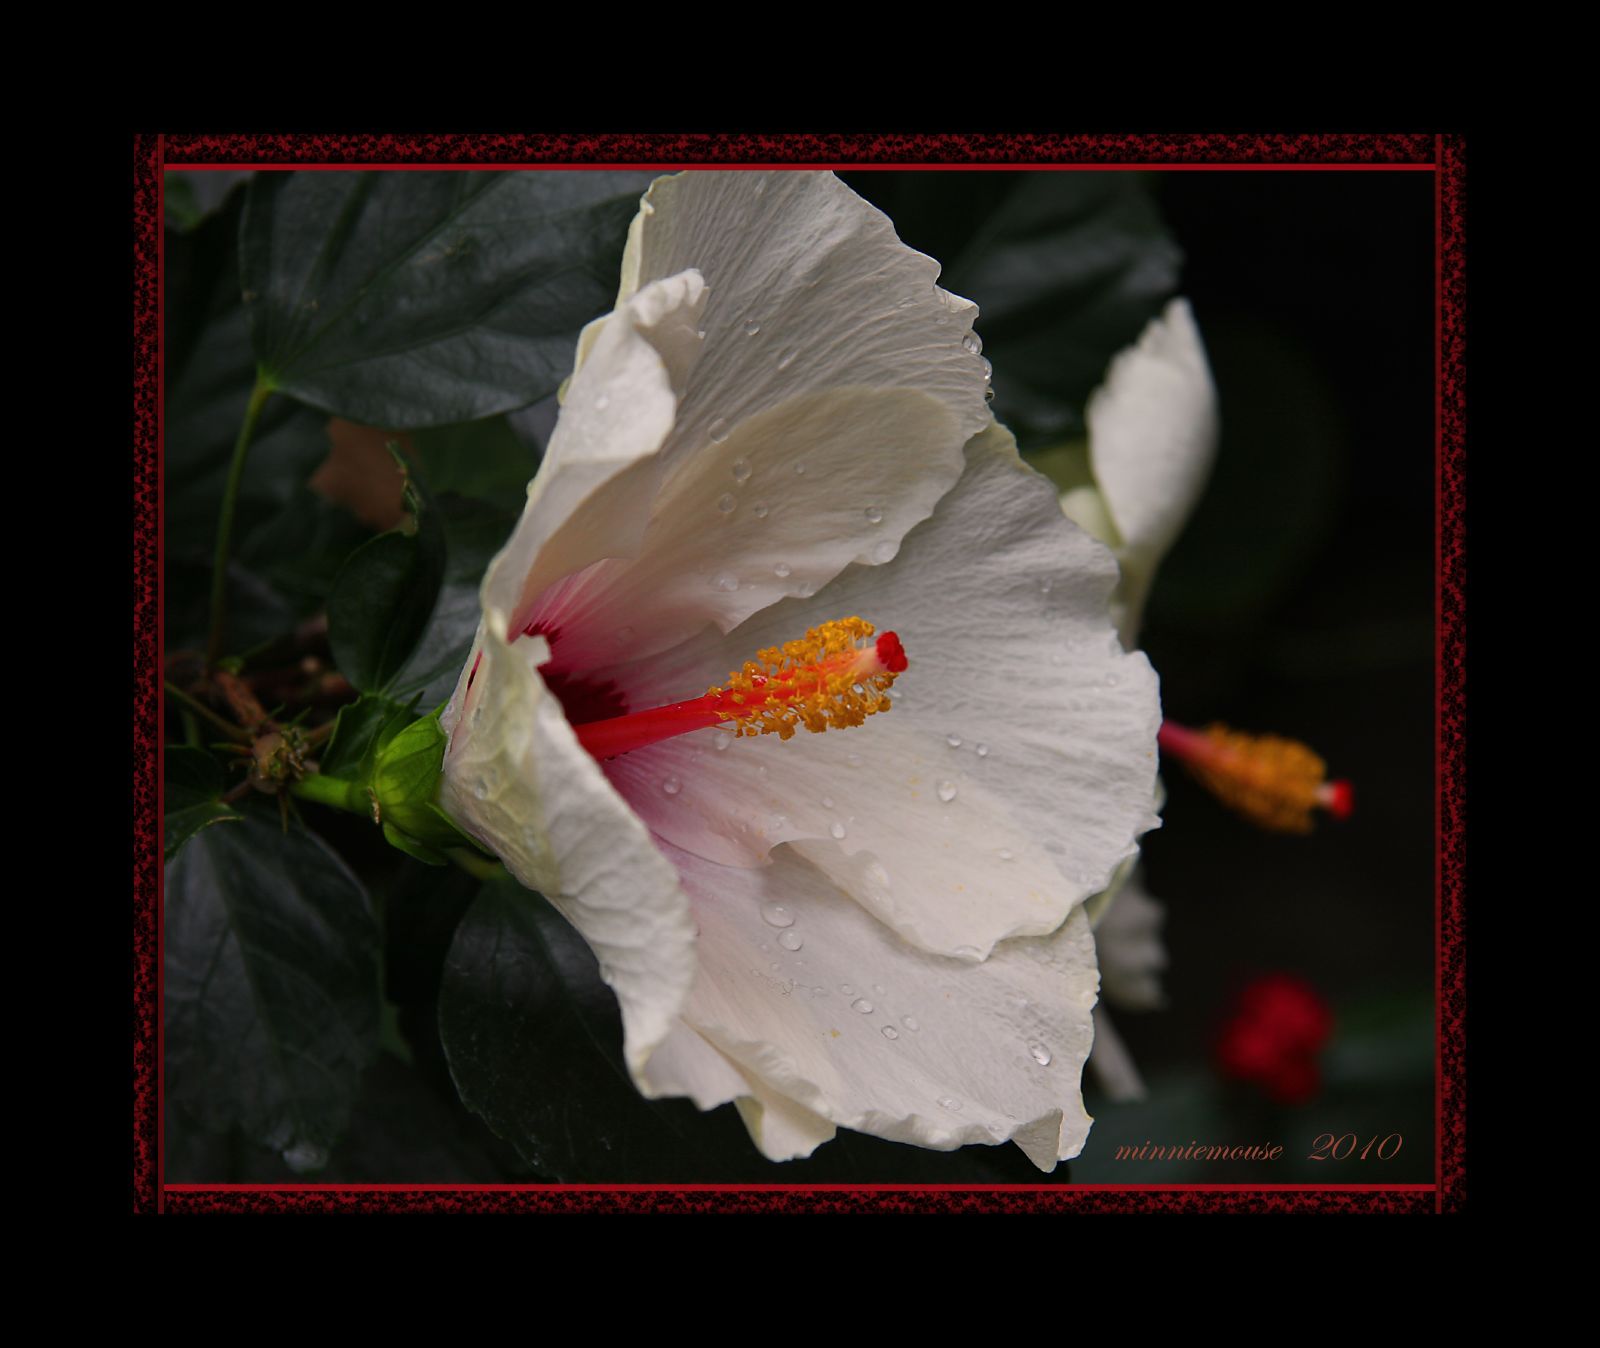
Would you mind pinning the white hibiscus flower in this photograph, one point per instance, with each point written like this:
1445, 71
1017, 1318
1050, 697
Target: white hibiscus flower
780, 436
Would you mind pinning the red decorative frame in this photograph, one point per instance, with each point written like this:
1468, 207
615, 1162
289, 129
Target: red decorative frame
1443, 155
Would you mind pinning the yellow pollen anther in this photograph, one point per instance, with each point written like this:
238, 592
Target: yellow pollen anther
1273, 782
827, 680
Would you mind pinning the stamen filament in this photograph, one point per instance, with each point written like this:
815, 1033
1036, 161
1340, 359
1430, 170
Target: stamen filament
1273, 782
823, 681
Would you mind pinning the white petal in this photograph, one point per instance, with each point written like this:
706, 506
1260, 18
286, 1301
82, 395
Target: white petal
516, 778
862, 1030
782, 1129
1153, 433
813, 441
592, 495
1001, 605
1132, 956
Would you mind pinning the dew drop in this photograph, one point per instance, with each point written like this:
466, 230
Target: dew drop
874, 515
624, 635
672, 786
776, 915
780, 822
988, 369
988, 393
724, 581
787, 358
947, 791
827, 802
1005, 854
742, 470
973, 343
722, 740
883, 552
862, 1005
1041, 1054
799, 470
480, 789
782, 570
889, 1032
954, 741
601, 403
726, 503
847, 990
751, 327
951, 1103
760, 509
982, 750
791, 940
1045, 586
718, 430
910, 1022
1111, 680
836, 828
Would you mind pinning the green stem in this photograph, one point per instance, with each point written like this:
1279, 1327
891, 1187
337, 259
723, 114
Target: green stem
480, 868
334, 791
230, 500
205, 713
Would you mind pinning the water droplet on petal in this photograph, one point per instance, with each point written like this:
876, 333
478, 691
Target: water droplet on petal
947, 791
988, 368
624, 635
726, 503
1005, 854
782, 570
751, 327
742, 470
724, 581
601, 403
799, 470
954, 741
862, 1005
973, 343
951, 1103
776, 915
1111, 680
837, 829
1041, 1055
982, 750
672, 786
718, 430
910, 1022
847, 990
889, 1032
827, 802
791, 940
722, 740
760, 509
988, 394
884, 551
480, 789
874, 515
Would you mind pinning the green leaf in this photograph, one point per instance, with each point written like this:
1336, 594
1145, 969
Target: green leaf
192, 195
474, 532
383, 599
289, 542
359, 730
484, 460
419, 299
1066, 269
193, 787
271, 979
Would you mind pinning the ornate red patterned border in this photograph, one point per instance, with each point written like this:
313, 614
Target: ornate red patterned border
680, 148
147, 244
1445, 154
1228, 1198
1450, 663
